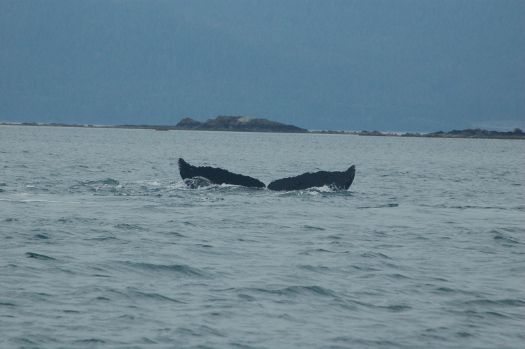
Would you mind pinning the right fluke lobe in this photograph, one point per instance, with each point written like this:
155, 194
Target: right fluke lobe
335, 179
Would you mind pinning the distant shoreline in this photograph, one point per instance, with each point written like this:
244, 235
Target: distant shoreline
466, 133
278, 128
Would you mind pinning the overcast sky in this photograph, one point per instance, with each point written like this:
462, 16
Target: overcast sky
418, 65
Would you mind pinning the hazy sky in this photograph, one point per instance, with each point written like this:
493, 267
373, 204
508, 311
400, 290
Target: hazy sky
390, 65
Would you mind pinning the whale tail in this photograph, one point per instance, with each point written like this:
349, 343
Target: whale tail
217, 175
195, 176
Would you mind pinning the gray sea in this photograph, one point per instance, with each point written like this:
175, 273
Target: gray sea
103, 246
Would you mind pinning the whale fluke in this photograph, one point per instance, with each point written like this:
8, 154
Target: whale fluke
216, 175
197, 176
334, 179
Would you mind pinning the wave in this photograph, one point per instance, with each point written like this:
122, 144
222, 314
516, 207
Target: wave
106, 181
160, 187
39, 256
375, 255
155, 188
110, 185
499, 302
449, 290
380, 206
201, 331
7, 304
76, 220
324, 191
90, 341
395, 308
41, 236
126, 226
133, 292
316, 268
505, 239
311, 227
472, 207
320, 250
293, 291
480, 314
102, 238
165, 268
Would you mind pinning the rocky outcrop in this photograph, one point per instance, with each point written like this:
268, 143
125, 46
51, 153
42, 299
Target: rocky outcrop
238, 123
188, 124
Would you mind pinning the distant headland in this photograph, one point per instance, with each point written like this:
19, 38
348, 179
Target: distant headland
247, 124
238, 123
466, 133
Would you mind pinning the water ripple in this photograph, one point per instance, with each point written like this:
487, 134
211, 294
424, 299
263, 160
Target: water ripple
39, 256
106, 248
180, 269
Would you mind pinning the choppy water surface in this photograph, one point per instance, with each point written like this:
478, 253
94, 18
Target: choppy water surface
102, 245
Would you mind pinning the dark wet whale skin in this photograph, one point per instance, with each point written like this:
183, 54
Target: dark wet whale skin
217, 175
335, 179
340, 180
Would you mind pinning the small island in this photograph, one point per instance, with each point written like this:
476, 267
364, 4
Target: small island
238, 123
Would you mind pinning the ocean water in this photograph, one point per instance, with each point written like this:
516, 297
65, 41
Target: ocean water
103, 246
